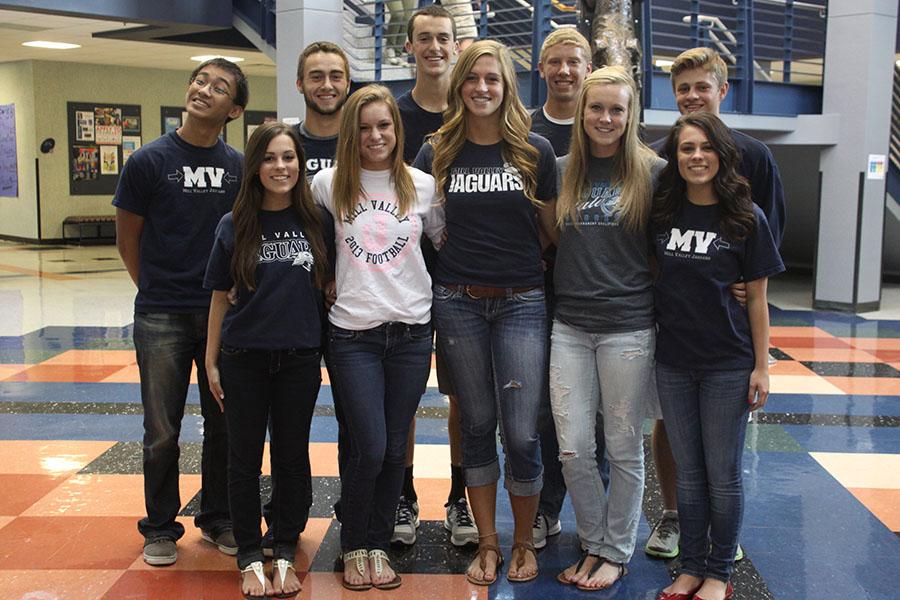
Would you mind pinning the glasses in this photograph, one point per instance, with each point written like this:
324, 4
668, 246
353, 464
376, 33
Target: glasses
201, 83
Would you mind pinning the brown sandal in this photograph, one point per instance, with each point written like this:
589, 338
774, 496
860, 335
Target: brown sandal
623, 571
562, 574
519, 560
481, 555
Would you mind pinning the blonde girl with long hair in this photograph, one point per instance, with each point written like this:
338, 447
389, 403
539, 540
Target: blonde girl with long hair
497, 183
601, 357
379, 342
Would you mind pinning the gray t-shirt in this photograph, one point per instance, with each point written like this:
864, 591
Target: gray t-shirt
602, 277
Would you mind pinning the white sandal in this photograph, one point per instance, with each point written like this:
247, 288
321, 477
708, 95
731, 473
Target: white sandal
281, 568
379, 557
361, 558
256, 567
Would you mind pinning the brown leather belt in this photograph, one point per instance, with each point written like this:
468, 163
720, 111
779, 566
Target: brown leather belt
476, 292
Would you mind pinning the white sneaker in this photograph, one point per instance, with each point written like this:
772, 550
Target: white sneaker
406, 521
542, 529
459, 524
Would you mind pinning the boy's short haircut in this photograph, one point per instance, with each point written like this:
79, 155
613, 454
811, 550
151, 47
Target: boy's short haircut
241, 95
700, 58
326, 47
566, 35
432, 10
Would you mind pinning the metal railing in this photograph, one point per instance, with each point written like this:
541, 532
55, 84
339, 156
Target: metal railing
772, 46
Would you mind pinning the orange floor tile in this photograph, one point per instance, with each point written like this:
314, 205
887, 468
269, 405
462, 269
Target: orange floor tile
21, 491
867, 385
93, 357
9, 370
169, 584
783, 341
56, 584
874, 343
790, 367
432, 495
323, 459
51, 457
65, 373
884, 504
99, 495
791, 331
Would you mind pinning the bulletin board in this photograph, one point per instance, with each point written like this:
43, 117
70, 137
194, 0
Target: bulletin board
255, 118
172, 117
102, 136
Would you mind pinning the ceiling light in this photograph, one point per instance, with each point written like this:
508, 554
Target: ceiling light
206, 57
51, 45
663, 63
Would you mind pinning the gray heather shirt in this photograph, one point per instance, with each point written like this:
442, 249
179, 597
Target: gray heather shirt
602, 274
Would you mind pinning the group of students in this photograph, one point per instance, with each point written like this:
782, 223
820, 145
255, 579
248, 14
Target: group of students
659, 291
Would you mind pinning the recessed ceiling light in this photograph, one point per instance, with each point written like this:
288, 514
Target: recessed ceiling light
51, 45
205, 57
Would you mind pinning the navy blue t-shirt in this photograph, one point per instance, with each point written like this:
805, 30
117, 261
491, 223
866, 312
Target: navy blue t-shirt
759, 168
182, 191
418, 123
319, 151
492, 228
701, 325
285, 310
558, 135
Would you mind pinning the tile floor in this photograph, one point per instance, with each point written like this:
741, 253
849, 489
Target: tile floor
821, 464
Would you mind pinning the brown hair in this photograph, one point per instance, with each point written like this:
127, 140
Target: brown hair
700, 58
432, 10
327, 48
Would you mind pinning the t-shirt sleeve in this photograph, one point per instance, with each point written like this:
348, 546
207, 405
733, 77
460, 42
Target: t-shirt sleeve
761, 257
424, 158
560, 172
321, 189
218, 269
546, 173
135, 188
768, 193
328, 237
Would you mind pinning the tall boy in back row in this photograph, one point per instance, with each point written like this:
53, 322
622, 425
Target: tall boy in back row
169, 200
700, 83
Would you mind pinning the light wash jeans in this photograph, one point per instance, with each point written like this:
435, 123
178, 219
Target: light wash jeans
619, 368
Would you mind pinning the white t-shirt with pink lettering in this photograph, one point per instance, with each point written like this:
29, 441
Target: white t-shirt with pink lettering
381, 275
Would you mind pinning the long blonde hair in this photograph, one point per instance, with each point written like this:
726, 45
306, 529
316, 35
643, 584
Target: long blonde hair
515, 122
631, 166
347, 185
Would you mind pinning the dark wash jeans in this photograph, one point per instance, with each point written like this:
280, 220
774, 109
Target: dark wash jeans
706, 419
167, 345
380, 375
259, 385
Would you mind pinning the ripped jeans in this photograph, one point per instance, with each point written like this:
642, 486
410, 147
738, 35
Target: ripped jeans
619, 368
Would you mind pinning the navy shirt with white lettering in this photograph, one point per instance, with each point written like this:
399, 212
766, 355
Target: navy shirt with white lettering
418, 123
285, 309
182, 191
492, 228
701, 324
319, 151
559, 134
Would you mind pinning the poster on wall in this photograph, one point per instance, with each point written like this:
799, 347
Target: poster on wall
84, 130
85, 163
9, 168
109, 160
102, 135
130, 143
108, 125
255, 118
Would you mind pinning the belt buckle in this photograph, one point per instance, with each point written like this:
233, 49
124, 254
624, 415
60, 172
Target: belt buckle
470, 294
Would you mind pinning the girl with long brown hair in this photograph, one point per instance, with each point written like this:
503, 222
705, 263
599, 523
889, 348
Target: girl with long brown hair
263, 353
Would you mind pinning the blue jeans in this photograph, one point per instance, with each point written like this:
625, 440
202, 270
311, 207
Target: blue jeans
167, 345
259, 385
496, 354
380, 375
706, 418
612, 374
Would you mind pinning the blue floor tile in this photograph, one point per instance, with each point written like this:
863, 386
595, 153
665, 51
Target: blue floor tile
821, 438
888, 406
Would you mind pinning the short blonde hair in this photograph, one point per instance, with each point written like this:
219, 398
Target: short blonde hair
700, 58
566, 35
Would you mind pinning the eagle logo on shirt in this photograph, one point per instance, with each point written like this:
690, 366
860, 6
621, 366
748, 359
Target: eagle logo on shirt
303, 259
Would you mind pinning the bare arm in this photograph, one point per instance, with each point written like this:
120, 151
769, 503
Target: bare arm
758, 313
128, 240
549, 232
217, 309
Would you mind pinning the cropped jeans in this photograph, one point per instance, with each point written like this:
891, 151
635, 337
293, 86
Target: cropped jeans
496, 354
167, 346
706, 418
609, 373
264, 385
380, 375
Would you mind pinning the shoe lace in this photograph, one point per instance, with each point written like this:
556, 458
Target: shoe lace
667, 528
404, 513
463, 519
538, 521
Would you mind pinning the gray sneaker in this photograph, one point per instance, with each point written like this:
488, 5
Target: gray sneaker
663, 540
542, 529
459, 524
406, 521
160, 552
223, 539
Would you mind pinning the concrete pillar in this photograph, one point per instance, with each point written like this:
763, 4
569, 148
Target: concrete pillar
859, 67
298, 23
